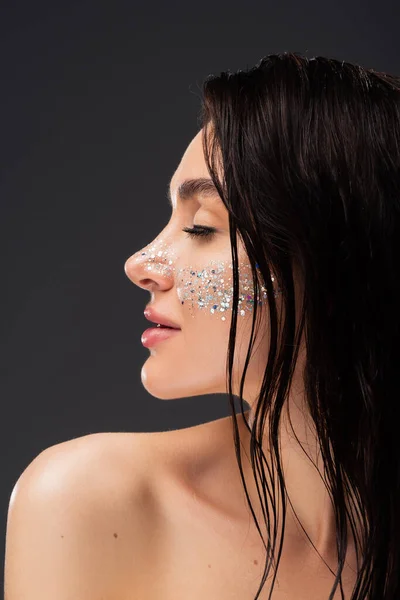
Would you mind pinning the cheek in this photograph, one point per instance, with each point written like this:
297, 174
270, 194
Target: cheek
205, 342
209, 290
206, 296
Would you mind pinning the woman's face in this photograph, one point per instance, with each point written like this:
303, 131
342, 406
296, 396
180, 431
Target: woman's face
191, 284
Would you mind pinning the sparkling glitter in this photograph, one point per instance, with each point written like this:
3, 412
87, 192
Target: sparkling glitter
160, 255
210, 288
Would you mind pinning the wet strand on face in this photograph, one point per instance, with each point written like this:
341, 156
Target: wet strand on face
210, 288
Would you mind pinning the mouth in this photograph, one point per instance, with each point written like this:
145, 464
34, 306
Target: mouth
159, 333
159, 319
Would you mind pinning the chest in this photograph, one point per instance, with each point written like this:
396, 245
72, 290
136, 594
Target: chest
192, 554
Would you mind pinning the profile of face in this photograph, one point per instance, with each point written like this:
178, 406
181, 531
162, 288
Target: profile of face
190, 280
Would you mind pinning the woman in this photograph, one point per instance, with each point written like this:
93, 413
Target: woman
275, 280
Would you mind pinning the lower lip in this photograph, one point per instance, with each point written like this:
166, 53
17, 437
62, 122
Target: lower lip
153, 335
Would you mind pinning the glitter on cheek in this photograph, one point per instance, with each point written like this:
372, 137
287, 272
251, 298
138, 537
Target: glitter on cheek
208, 289
212, 288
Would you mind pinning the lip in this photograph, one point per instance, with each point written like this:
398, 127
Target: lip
155, 317
154, 335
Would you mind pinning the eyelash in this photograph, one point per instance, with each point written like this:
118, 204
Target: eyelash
200, 231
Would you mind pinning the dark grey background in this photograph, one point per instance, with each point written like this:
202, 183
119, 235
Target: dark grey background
98, 103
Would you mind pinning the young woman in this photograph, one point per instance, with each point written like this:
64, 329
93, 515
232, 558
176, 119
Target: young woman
275, 280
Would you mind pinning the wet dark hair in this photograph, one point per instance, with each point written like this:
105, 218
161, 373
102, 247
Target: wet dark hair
309, 151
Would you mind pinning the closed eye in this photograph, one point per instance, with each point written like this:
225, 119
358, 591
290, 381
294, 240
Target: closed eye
200, 231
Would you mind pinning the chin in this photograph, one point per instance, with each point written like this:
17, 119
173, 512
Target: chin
170, 386
159, 387
150, 385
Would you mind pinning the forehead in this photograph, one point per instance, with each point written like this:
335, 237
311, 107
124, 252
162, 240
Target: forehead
192, 163
191, 178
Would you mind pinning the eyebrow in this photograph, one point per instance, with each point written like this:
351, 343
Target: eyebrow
200, 186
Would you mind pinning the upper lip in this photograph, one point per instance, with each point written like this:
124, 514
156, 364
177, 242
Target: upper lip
156, 317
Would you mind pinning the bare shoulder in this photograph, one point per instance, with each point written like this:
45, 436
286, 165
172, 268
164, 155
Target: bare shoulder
104, 467
85, 467
84, 515
73, 513
109, 470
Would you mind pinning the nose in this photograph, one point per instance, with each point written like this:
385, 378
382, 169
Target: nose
151, 269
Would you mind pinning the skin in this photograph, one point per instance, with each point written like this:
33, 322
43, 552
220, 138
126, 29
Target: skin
193, 362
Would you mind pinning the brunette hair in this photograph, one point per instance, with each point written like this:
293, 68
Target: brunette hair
310, 156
